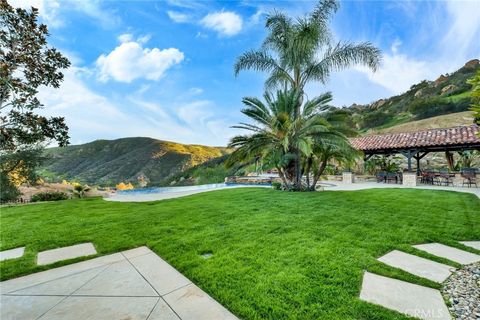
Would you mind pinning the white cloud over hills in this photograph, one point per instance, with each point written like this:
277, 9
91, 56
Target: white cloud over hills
130, 61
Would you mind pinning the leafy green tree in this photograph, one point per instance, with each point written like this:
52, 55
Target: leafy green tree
296, 52
475, 82
26, 63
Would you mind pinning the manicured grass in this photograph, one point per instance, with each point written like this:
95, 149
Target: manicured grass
276, 255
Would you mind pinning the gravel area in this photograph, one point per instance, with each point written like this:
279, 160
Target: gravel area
462, 291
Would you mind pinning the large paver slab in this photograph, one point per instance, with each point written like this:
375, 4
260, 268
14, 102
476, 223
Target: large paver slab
12, 253
191, 303
418, 266
119, 279
26, 307
102, 308
162, 276
410, 299
124, 285
65, 253
451, 253
49, 275
163, 312
471, 244
62, 286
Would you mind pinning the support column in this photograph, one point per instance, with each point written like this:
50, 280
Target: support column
410, 179
348, 177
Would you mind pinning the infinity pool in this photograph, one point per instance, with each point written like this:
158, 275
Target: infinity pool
152, 194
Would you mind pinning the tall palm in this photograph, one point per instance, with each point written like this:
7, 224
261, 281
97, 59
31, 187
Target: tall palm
296, 52
299, 51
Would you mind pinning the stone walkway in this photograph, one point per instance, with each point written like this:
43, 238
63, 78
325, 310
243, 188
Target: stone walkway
411, 299
135, 284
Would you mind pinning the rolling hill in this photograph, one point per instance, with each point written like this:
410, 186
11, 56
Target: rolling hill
447, 94
108, 162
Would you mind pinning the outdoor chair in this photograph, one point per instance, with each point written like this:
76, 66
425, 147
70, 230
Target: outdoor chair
392, 177
469, 177
444, 177
381, 176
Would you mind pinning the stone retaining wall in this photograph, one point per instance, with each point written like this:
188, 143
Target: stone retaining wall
251, 180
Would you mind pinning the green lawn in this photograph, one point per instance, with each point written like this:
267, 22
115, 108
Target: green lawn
276, 255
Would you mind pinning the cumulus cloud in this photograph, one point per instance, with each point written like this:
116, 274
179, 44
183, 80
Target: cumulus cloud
178, 17
91, 115
47, 10
226, 23
130, 61
398, 71
51, 12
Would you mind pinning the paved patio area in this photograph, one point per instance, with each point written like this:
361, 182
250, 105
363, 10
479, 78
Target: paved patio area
135, 285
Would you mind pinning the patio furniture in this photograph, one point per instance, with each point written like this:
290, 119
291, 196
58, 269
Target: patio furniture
444, 177
469, 177
391, 177
381, 176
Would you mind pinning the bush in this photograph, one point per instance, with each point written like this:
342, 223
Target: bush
276, 185
8, 191
49, 196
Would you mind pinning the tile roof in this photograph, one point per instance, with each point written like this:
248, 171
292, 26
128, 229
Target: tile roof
426, 138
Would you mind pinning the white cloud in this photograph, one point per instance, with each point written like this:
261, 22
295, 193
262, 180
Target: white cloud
47, 10
126, 37
195, 91
398, 71
226, 23
130, 61
178, 17
51, 12
91, 115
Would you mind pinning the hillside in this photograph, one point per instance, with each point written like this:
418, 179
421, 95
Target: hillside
108, 162
449, 120
447, 94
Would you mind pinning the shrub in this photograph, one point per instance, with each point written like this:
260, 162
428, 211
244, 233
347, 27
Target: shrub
8, 190
49, 196
276, 185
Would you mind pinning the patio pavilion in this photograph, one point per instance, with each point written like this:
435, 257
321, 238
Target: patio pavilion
416, 145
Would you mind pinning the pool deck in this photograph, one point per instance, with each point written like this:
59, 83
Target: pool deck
332, 186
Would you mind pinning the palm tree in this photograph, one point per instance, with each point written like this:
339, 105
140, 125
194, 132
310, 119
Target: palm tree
297, 52
278, 132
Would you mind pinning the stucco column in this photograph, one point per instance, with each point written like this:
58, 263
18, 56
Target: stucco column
410, 179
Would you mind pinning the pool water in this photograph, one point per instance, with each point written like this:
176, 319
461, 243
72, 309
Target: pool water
187, 188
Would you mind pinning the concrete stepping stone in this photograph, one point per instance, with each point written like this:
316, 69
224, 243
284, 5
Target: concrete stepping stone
26, 307
191, 303
119, 279
12, 253
407, 298
66, 253
447, 252
471, 244
102, 308
418, 266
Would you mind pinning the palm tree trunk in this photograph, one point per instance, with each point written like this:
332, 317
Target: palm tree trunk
307, 170
282, 176
321, 169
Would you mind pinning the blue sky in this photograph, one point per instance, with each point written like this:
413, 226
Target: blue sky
164, 69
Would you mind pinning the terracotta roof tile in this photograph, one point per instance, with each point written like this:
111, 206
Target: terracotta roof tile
425, 138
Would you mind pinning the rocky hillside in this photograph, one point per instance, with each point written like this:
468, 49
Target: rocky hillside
447, 94
137, 160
